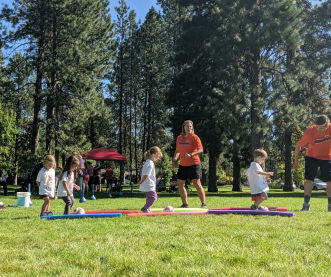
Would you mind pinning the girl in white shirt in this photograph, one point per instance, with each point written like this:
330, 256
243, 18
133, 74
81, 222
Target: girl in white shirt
46, 182
67, 183
148, 180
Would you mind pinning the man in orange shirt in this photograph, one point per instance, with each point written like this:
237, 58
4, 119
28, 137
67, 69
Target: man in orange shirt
188, 148
318, 154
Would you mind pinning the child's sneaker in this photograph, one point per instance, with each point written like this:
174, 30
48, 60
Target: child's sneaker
143, 210
254, 207
184, 206
305, 207
203, 205
263, 208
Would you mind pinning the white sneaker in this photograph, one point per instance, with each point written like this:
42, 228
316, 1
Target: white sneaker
263, 208
305, 207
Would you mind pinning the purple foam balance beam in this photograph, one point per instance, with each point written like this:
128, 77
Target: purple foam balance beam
251, 212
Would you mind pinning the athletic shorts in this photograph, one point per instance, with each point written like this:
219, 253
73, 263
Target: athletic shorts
312, 165
97, 180
189, 172
263, 196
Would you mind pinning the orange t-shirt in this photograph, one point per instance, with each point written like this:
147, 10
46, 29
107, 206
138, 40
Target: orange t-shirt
319, 144
188, 144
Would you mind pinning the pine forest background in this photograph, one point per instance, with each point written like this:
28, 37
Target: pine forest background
249, 74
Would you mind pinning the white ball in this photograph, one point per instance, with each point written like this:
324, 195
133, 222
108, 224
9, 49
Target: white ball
47, 213
79, 211
1, 204
168, 209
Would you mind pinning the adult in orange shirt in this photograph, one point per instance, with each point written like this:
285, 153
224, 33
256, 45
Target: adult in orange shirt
318, 154
188, 147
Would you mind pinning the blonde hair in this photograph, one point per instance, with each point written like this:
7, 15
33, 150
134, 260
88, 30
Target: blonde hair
49, 159
152, 152
260, 153
183, 127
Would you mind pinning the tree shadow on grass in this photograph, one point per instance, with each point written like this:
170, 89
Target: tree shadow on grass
139, 194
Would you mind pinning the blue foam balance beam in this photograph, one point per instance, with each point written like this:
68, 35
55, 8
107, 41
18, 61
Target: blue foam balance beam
73, 216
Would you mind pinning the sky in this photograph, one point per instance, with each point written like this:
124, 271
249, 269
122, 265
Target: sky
141, 7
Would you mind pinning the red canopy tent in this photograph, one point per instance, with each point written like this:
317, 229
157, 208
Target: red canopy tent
104, 154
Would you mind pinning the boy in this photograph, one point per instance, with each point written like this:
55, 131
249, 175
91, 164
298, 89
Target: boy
256, 179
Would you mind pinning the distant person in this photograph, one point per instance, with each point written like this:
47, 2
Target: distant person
46, 182
86, 177
109, 177
256, 179
80, 171
74, 154
318, 155
3, 182
67, 183
188, 148
90, 169
148, 180
97, 176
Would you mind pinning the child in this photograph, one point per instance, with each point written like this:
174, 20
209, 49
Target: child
46, 182
256, 179
148, 180
67, 183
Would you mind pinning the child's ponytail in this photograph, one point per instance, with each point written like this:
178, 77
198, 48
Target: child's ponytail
153, 151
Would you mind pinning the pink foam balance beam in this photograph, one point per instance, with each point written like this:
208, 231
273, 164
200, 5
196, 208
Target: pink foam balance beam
168, 213
279, 209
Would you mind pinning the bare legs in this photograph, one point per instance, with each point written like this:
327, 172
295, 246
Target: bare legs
183, 192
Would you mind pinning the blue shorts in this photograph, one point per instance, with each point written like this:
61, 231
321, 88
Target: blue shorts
312, 165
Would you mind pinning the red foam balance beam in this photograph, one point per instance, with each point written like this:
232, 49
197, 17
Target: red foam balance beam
279, 209
167, 213
111, 212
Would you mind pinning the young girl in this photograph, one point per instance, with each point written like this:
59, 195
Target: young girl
148, 180
46, 182
67, 183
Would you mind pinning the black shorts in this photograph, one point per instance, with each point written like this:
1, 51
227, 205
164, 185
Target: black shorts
189, 172
312, 165
96, 180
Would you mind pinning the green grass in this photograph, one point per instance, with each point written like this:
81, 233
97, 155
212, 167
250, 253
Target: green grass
192, 245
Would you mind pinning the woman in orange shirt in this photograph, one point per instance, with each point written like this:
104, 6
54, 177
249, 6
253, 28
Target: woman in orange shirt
318, 155
188, 148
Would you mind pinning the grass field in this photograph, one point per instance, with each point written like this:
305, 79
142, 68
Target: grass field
191, 245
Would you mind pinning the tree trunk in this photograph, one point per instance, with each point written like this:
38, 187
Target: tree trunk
50, 120
236, 168
92, 134
37, 101
16, 160
212, 186
288, 160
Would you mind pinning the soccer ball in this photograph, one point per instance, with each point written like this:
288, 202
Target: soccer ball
168, 209
1, 204
79, 211
47, 213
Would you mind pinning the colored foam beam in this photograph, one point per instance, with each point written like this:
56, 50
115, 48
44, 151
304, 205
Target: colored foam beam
111, 212
180, 209
251, 212
168, 213
72, 216
279, 209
